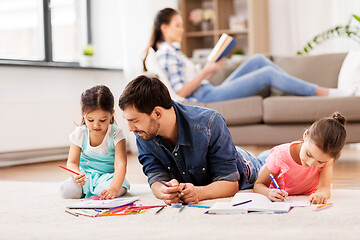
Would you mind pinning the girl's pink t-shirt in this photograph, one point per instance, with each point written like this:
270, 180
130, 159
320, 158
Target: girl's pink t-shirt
292, 177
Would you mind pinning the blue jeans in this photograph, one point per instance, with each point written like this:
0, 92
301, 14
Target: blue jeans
254, 75
253, 165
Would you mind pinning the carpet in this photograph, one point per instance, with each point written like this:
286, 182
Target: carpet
34, 210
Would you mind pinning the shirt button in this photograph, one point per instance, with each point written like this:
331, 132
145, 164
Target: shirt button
184, 173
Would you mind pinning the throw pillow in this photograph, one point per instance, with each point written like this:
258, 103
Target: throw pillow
349, 76
153, 66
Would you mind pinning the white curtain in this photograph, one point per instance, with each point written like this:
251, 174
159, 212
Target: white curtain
295, 22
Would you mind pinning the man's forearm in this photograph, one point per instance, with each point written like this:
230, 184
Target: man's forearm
218, 189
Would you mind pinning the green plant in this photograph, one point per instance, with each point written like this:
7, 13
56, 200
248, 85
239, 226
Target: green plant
88, 50
348, 30
238, 51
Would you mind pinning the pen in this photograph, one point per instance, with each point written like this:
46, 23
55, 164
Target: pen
276, 185
167, 186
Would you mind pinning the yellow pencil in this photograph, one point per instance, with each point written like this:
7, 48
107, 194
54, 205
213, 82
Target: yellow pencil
323, 205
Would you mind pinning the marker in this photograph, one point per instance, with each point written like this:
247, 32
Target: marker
276, 185
167, 186
241, 203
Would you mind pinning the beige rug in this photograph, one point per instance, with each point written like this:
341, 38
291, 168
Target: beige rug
33, 210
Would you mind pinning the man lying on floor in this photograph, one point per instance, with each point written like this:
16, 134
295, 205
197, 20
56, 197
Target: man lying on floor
188, 148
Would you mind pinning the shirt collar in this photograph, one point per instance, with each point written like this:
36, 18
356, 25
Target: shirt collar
183, 136
174, 45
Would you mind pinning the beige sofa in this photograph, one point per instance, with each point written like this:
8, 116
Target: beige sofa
273, 119
269, 119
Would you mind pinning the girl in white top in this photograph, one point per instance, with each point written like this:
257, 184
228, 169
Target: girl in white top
97, 150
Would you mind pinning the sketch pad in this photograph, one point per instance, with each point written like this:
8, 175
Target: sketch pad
89, 203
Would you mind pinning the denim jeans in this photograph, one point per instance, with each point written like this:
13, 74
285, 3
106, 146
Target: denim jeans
251, 77
253, 164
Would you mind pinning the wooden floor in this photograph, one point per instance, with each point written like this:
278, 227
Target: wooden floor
346, 170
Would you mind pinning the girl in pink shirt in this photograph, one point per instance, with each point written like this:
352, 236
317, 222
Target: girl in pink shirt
305, 167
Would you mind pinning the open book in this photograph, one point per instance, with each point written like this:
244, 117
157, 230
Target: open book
254, 202
116, 202
222, 47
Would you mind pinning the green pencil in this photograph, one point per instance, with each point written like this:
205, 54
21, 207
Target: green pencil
160, 209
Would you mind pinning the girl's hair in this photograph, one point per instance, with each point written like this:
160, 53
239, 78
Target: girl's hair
97, 97
163, 17
329, 134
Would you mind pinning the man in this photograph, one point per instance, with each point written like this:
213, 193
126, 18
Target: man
188, 148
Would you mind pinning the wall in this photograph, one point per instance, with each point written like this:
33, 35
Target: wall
293, 23
40, 106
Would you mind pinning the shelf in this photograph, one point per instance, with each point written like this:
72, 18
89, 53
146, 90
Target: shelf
200, 34
217, 32
252, 15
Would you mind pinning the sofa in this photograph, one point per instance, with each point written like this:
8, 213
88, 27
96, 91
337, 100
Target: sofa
272, 117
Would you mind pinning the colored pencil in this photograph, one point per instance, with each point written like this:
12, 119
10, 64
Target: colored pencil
241, 203
72, 213
69, 170
276, 184
160, 209
198, 206
182, 208
167, 186
323, 206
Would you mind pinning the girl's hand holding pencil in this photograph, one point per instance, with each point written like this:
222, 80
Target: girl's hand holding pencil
277, 195
79, 178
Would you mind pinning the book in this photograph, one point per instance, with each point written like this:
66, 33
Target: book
116, 202
254, 202
222, 47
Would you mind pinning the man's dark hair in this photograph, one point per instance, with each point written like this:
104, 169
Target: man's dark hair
145, 93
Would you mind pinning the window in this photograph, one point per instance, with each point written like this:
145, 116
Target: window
42, 30
21, 29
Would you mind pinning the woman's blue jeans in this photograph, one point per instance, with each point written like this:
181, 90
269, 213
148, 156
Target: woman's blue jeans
254, 75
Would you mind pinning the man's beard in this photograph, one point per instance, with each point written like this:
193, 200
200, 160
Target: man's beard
152, 132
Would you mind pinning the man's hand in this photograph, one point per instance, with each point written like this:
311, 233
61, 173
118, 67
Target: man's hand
190, 194
171, 194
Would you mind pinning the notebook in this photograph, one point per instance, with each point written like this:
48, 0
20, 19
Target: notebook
254, 202
116, 202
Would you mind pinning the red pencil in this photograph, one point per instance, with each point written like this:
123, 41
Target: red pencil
69, 170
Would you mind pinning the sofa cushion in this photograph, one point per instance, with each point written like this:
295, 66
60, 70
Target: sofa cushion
290, 109
322, 70
238, 111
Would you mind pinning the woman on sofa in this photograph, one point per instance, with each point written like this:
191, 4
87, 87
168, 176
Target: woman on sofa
254, 75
